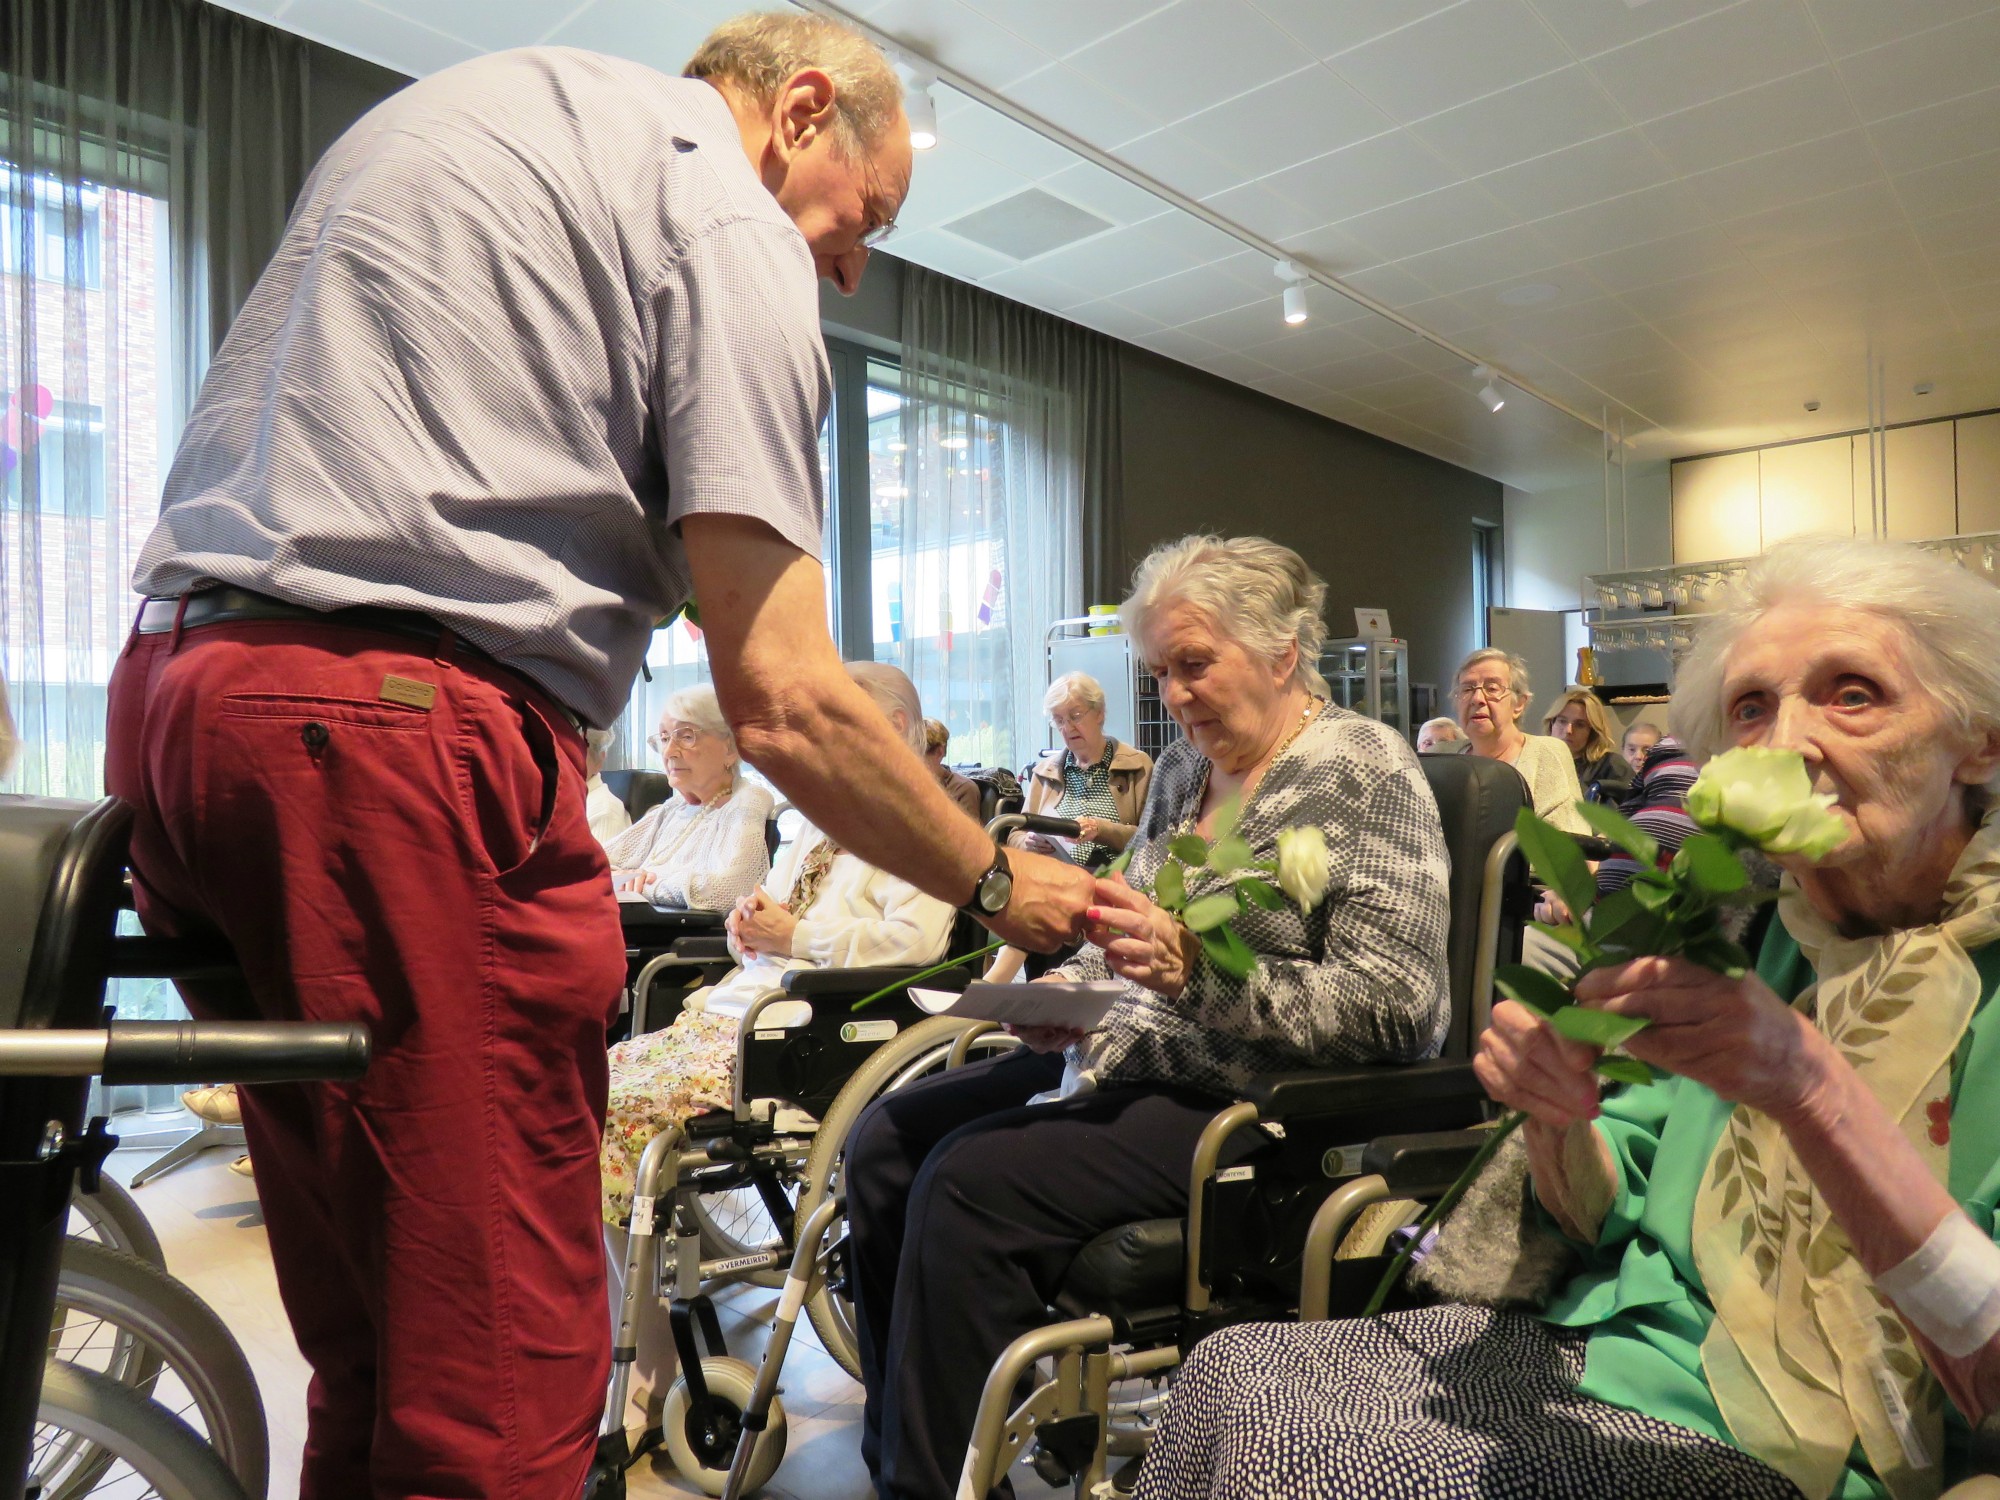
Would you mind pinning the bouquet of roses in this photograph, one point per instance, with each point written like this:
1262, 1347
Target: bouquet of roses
1743, 799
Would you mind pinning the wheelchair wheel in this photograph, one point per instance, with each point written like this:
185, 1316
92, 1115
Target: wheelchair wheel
703, 1459
111, 1217
922, 1050
95, 1436
120, 1317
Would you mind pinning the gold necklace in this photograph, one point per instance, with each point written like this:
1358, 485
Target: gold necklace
1314, 704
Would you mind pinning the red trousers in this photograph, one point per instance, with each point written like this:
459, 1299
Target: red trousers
428, 871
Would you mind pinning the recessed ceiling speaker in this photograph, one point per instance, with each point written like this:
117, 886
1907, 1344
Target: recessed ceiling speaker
1029, 224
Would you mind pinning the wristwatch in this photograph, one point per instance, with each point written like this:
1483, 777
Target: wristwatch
994, 890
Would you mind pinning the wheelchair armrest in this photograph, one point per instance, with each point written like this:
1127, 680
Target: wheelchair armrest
1422, 1166
705, 948
852, 984
657, 926
1323, 1091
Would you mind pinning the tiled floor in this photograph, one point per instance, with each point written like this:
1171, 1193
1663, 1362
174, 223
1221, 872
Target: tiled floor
209, 1224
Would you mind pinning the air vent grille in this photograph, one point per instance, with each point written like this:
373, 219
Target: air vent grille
1029, 224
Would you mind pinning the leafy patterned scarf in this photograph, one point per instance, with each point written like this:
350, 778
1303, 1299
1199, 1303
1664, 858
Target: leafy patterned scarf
1805, 1355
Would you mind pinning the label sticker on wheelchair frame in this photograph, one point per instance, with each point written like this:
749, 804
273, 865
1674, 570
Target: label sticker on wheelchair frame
867, 1031
1341, 1161
1236, 1174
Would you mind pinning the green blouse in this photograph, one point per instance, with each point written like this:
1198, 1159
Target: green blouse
1639, 1293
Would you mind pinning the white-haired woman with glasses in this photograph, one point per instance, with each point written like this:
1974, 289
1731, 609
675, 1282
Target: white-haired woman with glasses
1492, 690
1089, 777
703, 848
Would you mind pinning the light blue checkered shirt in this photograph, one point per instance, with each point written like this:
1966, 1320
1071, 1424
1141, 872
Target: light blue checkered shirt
529, 312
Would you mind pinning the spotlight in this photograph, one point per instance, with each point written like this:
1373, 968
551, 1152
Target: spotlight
922, 110
1490, 392
1295, 290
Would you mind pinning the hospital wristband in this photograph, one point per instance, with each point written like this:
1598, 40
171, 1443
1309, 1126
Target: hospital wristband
1949, 1287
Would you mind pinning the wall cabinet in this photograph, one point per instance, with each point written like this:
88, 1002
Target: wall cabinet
1923, 482
1806, 487
1979, 473
1715, 508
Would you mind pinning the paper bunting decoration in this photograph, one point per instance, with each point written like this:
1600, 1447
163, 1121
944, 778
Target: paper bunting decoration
991, 598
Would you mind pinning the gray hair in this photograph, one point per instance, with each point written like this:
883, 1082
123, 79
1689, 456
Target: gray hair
1259, 594
1445, 729
1517, 671
697, 705
759, 52
1074, 687
1950, 618
893, 693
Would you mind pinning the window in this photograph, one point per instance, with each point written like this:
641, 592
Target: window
54, 463
1485, 577
48, 234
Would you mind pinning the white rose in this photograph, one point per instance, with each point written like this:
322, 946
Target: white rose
1302, 865
1766, 796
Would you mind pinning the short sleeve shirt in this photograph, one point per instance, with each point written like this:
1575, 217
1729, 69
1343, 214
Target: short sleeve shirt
529, 313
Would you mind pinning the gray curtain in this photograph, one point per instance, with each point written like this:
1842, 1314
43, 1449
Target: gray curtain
1010, 438
150, 151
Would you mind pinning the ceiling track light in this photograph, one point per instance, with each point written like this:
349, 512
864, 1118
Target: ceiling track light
1295, 280
922, 111
1490, 392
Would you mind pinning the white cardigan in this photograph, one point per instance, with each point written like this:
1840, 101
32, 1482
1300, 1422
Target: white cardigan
704, 858
1550, 771
863, 916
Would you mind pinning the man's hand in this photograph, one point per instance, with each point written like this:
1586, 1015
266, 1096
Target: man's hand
1046, 910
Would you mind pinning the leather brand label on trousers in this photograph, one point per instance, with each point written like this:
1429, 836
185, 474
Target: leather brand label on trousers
411, 694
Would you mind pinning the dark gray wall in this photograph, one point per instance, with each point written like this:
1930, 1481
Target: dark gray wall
1385, 526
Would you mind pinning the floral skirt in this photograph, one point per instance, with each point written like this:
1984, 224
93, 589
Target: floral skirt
659, 1080
1442, 1403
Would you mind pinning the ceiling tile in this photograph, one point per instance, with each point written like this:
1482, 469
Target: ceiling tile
1037, 287
1707, 248
959, 37
1722, 291
1329, 349
1372, 174
1331, 248
1969, 229
1291, 119
1253, 325
1561, 325
1433, 65
380, 36
1651, 213
1944, 132
1071, 102
1462, 211
1325, 29
1718, 54
1237, 367
1391, 285
1792, 175
1951, 187
1060, 27
1966, 268
1088, 185
1530, 119
1448, 317
941, 250
1907, 74
1608, 167
1169, 157
1176, 343
1107, 315
1851, 26
1262, 211
1803, 107
1588, 27
490, 27
1191, 55
967, 122
661, 36
1783, 231
1476, 263
1125, 257
951, 180
1187, 296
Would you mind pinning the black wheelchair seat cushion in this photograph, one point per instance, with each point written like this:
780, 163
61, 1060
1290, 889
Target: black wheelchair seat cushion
1127, 1274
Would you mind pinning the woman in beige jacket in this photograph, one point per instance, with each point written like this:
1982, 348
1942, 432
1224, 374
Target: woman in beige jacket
1089, 777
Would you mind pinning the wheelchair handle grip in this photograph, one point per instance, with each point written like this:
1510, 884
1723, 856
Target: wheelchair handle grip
191, 1052
1006, 823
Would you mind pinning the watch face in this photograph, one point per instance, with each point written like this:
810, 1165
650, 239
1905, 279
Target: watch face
995, 891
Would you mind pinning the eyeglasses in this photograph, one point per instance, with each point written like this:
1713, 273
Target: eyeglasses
1492, 691
681, 739
1071, 719
873, 237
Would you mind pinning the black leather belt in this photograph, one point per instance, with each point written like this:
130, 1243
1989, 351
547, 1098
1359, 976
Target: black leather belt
219, 606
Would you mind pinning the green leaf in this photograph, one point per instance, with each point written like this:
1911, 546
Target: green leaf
1541, 992
1226, 816
1229, 855
1261, 893
1624, 1070
1570, 937
1717, 952
1228, 952
1170, 886
1556, 861
1619, 922
1206, 912
1650, 895
1190, 849
1711, 865
1622, 831
1121, 864
1598, 1028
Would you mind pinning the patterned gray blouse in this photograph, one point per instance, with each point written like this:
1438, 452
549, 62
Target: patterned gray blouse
1361, 979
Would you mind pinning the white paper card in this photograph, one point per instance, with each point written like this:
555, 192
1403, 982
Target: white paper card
1372, 624
1082, 1006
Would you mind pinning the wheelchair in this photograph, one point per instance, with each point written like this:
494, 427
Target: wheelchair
719, 1201
1138, 1296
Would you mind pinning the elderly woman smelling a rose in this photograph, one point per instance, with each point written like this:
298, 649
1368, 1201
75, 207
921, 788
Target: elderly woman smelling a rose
966, 1202
1788, 1281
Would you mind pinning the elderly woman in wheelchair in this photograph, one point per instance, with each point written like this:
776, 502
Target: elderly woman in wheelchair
965, 1199
829, 910
1784, 1282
